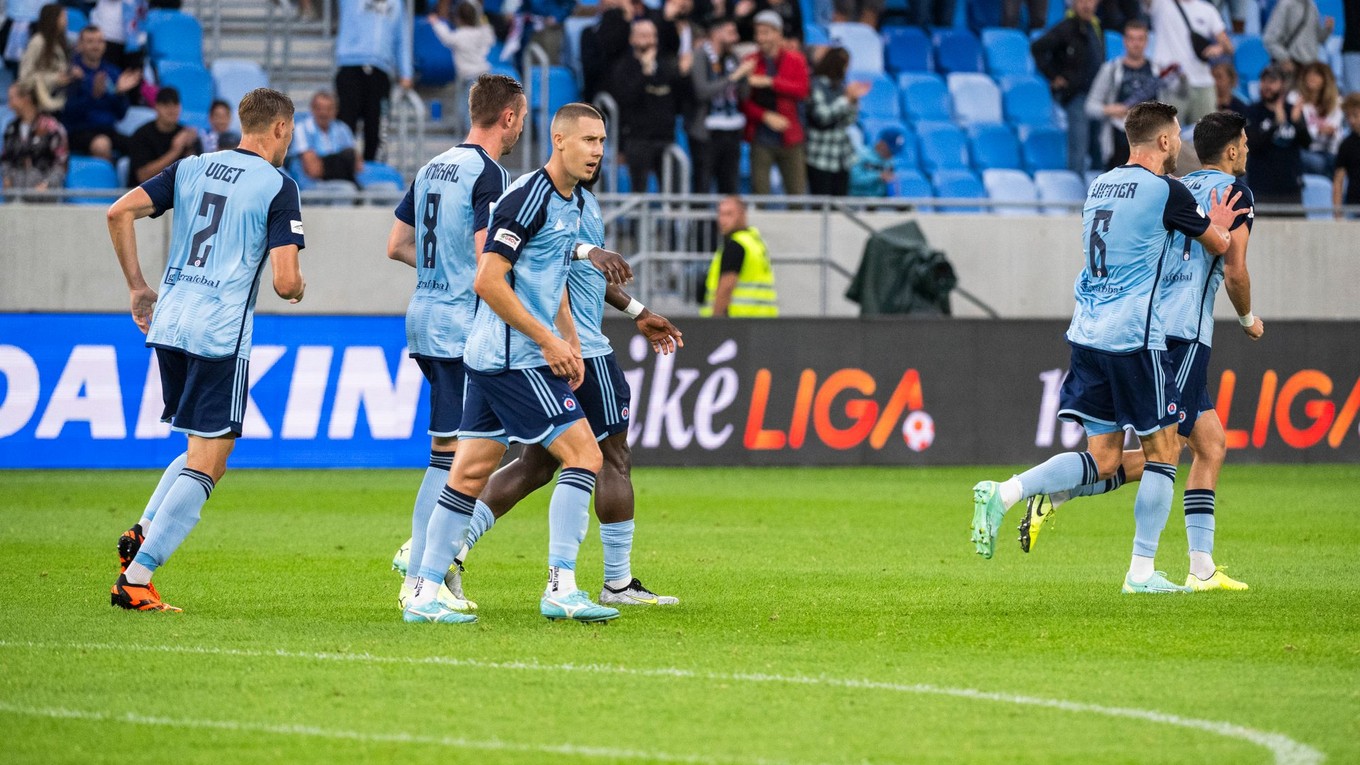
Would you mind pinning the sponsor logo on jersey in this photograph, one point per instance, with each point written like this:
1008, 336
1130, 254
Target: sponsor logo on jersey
297, 227
507, 238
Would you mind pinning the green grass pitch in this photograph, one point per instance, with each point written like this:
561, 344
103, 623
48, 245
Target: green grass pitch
827, 616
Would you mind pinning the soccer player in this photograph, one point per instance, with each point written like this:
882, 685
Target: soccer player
237, 210
520, 372
1187, 303
1119, 374
450, 203
604, 397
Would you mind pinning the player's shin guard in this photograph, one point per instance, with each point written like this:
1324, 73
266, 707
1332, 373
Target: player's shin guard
1152, 507
617, 540
443, 538
1060, 472
436, 477
568, 516
158, 496
1199, 519
178, 514
482, 521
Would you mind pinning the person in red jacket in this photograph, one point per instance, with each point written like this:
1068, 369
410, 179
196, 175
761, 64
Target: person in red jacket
778, 84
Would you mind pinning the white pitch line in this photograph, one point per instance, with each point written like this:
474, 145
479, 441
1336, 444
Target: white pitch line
1285, 750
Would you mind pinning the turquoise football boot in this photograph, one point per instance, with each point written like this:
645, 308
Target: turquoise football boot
1157, 584
987, 514
576, 606
435, 613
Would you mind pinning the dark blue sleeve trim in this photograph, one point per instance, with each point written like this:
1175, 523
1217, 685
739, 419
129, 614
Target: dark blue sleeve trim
285, 217
1182, 212
161, 189
520, 213
1247, 204
406, 208
485, 191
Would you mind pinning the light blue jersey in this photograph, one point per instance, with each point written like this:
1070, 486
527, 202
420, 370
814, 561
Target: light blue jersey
586, 284
449, 202
536, 229
1193, 275
1128, 224
234, 207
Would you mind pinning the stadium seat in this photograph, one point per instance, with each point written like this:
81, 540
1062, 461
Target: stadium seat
862, 42
976, 98
882, 101
1026, 100
943, 147
906, 49
925, 98
562, 88
195, 88
994, 147
1007, 52
958, 184
378, 175
910, 184
91, 173
136, 117
1250, 57
1011, 186
1114, 45
174, 36
433, 62
1317, 193
957, 50
1336, 9
1045, 149
233, 78
1060, 186
815, 34
76, 20
571, 40
909, 154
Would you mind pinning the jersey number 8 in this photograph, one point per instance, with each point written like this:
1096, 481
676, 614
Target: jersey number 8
430, 242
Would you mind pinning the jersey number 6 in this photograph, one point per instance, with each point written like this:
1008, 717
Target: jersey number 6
1097, 246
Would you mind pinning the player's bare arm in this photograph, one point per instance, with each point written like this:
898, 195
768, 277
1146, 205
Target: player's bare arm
288, 281
1222, 213
658, 330
491, 286
1237, 282
401, 243
121, 215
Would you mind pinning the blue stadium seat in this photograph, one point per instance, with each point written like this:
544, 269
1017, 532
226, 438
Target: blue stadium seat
943, 147
1114, 45
433, 62
958, 184
195, 88
378, 175
925, 98
910, 184
815, 34
957, 50
136, 117
882, 101
1317, 192
233, 78
1007, 52
91, 173
1026, 100
976, 98
1336, 9
906, 49
909, 161
571, 40
174, 36
562, 88
76, 20
1060, 186
1011, 186
994, 147
1250, 57
909, 155
1045, 149
863, 43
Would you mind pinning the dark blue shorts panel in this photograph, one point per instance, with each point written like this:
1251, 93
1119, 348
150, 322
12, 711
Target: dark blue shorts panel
1191, 362
523, 405
446, 378
1107, 392
203, 397
604, 397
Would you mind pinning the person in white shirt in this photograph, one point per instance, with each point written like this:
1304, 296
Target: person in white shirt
1176, 23
470, 42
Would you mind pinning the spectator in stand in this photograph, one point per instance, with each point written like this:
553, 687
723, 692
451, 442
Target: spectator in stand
372, 45
123, 24
46, 63
470, 43
863, 11
875, 168
34, 151
604, 45
789, 12
1120, 85
97, 98
1276, 137
1069, 55
20, 15
1183, 26
675, 30
324, 145
219, 136
716, 125
537, 22
162, 141
1114, 14
647, 87
833, 108
1316, 90
1038, 14
1350, 48
1346, 177
1295, 32
779, 84
1225, 88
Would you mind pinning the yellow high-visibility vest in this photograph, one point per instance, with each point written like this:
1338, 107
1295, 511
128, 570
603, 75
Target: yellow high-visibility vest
754, 295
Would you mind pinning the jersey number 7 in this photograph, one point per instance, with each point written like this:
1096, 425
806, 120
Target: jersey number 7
210, 206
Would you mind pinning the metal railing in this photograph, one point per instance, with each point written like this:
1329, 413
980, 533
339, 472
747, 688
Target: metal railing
539, 127
406, 122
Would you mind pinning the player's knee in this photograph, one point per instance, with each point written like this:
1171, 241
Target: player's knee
1214, 453
1107, 464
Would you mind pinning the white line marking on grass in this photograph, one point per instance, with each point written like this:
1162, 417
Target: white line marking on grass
1286, 750
337, 734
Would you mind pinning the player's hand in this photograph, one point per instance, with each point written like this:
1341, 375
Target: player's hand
564, 360
143, 302
615, 269
301, 291
660, 332
1221, 211
1256, 329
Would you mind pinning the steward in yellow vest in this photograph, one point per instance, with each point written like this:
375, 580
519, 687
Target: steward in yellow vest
740, 280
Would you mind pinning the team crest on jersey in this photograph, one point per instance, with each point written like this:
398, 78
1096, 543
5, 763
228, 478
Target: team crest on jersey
569, 403
1181, 417
1171, 408
624, 413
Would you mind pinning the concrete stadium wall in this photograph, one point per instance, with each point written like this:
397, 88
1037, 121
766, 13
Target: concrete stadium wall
59, 259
